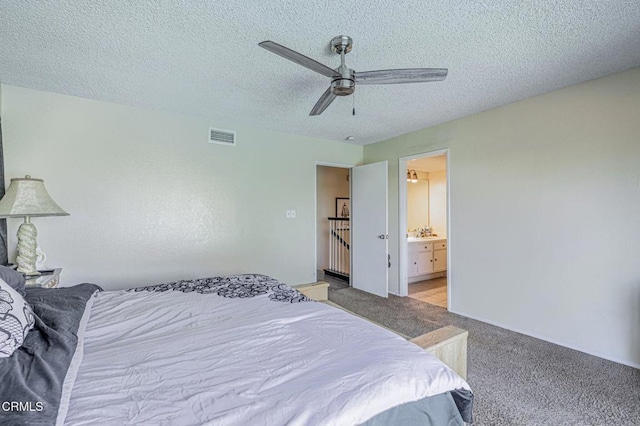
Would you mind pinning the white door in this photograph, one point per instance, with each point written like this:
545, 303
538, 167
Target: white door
369, 228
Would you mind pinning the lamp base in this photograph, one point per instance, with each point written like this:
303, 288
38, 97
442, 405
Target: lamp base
27, 255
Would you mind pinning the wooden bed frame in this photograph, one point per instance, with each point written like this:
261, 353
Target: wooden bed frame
449, 344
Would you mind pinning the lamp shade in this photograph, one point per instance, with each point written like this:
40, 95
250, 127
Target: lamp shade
28, 197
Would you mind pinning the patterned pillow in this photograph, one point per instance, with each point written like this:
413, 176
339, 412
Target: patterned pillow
16, 319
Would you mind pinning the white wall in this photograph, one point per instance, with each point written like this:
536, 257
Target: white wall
545, 214
151, 201
438, 202
331, 182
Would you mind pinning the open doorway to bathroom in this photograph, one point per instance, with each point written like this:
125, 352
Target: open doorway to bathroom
333, 216
424, 220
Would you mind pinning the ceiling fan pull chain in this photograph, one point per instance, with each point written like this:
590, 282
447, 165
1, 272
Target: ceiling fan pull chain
353, 112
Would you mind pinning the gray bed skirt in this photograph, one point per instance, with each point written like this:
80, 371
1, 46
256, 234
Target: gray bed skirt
446, 409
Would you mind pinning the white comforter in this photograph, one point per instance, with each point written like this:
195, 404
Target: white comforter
188, 358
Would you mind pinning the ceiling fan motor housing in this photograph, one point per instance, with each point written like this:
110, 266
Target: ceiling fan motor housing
345, 84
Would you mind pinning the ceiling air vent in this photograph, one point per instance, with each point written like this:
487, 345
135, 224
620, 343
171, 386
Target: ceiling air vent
223, 137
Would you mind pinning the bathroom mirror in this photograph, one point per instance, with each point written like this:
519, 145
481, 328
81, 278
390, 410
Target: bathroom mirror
418, 204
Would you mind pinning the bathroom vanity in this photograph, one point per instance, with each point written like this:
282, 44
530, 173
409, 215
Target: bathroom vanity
426, 258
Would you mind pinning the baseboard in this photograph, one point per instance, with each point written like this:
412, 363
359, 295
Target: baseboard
431, 276
546, 339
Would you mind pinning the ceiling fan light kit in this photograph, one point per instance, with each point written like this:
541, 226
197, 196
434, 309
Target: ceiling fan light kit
344, 79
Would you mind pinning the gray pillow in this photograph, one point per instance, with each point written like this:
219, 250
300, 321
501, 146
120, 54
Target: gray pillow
14, 278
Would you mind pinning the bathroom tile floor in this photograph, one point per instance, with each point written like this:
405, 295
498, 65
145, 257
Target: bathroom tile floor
430, 291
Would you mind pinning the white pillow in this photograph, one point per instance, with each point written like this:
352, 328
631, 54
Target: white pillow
16, 319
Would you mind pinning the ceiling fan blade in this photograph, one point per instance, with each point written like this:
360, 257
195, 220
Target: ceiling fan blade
406, 75
324, 101
298, 58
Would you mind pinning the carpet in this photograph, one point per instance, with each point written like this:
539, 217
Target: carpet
516, 379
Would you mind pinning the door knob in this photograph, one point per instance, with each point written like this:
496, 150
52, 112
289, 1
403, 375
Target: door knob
383, 236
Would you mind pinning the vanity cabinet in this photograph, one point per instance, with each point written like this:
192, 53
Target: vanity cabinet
420, 259
440, 260
424, 258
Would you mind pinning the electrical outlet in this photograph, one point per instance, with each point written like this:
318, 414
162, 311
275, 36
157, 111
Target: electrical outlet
291, 214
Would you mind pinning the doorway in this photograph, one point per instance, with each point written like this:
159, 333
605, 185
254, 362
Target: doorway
424, 221
361, 245
333, 235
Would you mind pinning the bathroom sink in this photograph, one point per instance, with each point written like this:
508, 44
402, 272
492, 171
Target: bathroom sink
423, 239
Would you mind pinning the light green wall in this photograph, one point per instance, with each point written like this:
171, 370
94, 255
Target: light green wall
545, 214
151, 201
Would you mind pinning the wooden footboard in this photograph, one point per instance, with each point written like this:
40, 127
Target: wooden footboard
449, 344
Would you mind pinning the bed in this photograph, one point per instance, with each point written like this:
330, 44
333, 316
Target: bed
236, 350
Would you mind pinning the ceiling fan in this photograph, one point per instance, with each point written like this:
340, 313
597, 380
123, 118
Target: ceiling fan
344, 79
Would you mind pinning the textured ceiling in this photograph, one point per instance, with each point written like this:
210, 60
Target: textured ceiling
202, 57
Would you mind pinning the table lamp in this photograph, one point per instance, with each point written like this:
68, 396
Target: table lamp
27, 197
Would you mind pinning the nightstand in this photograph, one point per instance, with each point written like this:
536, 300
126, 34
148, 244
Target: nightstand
45, 281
